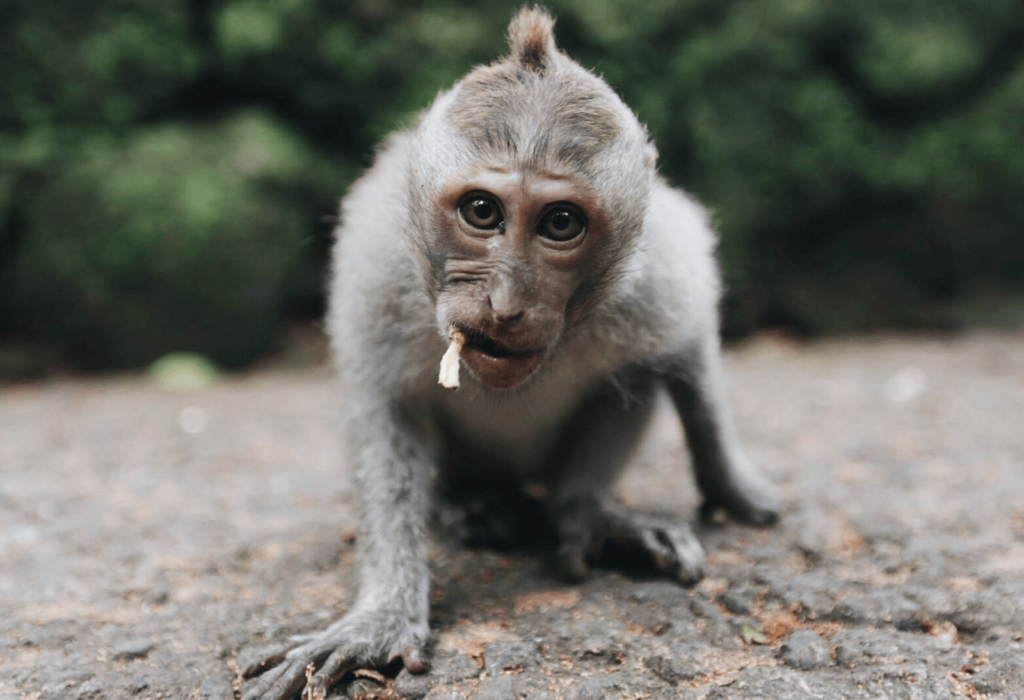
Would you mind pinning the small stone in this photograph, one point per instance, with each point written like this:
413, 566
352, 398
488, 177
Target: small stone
805, 650
133, 649
413, 686
596, 645
856, 646
812, 591
879, 606
669, 670
702, 608
158, 594
500, 688
739, 600
509, 656
138, 685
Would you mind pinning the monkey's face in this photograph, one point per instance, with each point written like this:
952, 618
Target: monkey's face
513, 261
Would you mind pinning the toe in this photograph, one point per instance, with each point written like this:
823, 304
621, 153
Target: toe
689, 555
266, 661
337, 665
572, 561
280, 683
414, 660
658, 546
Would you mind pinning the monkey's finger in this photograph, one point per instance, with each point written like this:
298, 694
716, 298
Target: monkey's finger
659, 547
688, 554
414, 660
572, 560
752, 500
337, 665
267, 661
281, 683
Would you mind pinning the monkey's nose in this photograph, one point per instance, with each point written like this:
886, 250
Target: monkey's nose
506, 315
507, 302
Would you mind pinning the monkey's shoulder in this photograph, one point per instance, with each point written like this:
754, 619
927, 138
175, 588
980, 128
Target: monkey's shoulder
668, 291
679, 239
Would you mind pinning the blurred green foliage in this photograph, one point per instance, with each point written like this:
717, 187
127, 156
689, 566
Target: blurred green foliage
176, 236
166, 165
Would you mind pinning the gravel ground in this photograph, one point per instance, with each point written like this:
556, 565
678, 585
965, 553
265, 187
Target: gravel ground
151, 542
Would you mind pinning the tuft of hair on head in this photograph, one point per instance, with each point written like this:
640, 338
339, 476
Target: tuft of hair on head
531, 38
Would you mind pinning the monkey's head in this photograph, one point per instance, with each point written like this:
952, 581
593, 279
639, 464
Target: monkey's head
529, 187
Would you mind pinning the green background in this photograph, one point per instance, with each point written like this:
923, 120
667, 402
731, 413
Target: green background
169, 168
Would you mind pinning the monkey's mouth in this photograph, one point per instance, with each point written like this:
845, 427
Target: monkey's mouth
496, 365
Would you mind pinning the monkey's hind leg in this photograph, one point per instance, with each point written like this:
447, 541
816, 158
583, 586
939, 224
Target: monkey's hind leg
725, 476
596, 530
596, 445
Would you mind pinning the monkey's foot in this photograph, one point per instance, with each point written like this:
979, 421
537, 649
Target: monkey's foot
746, 494
359, 640
591, 531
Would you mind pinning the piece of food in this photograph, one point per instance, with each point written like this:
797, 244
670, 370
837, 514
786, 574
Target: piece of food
449, 374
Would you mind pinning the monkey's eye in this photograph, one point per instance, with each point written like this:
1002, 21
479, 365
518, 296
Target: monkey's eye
482, 213
561, 225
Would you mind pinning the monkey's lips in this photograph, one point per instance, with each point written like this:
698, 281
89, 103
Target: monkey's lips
498, 366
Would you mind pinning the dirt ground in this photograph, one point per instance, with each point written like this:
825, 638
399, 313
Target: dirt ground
151, 541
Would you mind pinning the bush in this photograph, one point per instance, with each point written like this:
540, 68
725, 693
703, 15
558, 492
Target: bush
177, 238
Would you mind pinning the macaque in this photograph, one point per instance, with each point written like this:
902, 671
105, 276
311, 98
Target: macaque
521, 231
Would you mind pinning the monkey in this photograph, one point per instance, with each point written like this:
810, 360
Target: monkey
523, 217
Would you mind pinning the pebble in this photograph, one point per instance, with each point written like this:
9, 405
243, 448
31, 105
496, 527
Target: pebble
412, 686
854, 647
805, 650
670, 670
740, 600
158, 594
133, 649
880, 606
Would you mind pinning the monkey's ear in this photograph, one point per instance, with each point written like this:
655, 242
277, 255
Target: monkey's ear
531, 38
651, 155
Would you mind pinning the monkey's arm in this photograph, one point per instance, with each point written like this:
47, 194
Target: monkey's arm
374, 327
725, 476
681, 244
393, 459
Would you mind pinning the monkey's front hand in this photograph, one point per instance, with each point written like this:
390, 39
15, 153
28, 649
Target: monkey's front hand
367, 638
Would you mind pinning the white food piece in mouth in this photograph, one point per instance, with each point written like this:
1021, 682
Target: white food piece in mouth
449, 374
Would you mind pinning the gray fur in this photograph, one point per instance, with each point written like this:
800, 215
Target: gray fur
651, 321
